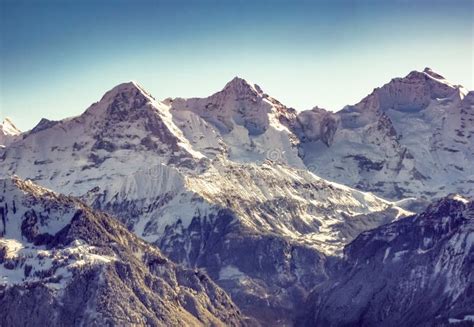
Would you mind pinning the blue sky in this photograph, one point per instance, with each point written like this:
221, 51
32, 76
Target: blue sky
58, 57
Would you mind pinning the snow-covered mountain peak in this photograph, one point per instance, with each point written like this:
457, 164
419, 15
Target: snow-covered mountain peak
430, 76
7, 127
130, 112
441, 79
409, 137
113, 137
130, 88
244, 124
240, 86
239, 99
424, 74
8, 132
432, 73
412, 92
123, 100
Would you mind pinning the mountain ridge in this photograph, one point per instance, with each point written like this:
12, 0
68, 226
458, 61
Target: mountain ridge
411, 137
220, 182
176, 180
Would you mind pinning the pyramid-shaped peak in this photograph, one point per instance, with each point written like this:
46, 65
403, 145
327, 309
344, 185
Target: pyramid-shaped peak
126, 86
237, 81
240, 85
121, 100
128, 89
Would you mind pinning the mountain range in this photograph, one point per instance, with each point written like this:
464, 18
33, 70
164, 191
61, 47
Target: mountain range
264, 215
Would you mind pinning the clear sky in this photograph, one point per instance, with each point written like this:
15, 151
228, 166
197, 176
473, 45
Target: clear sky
58, 57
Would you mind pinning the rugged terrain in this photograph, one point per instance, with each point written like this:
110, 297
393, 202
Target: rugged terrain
417, 271
249, 190
64, 264
209, 197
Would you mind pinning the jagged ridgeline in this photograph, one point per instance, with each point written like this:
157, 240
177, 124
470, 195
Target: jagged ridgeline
261, 197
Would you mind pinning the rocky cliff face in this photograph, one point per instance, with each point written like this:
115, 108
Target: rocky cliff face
417, 271
316, 125
62, 263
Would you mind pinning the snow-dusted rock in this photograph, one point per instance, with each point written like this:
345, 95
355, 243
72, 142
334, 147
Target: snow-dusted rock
116, 137
128, 155
249, 125
63, 264
417, 271
317, 125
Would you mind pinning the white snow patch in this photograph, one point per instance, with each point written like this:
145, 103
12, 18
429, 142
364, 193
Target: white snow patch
387, 252
230, 272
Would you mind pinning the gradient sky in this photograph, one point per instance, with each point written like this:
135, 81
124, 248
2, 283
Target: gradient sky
58, 57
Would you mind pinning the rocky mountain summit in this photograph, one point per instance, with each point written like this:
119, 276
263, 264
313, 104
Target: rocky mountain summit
412, 137
249, 125
62, 263
409, 138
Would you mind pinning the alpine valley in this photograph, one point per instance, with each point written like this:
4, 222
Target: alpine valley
236, 210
